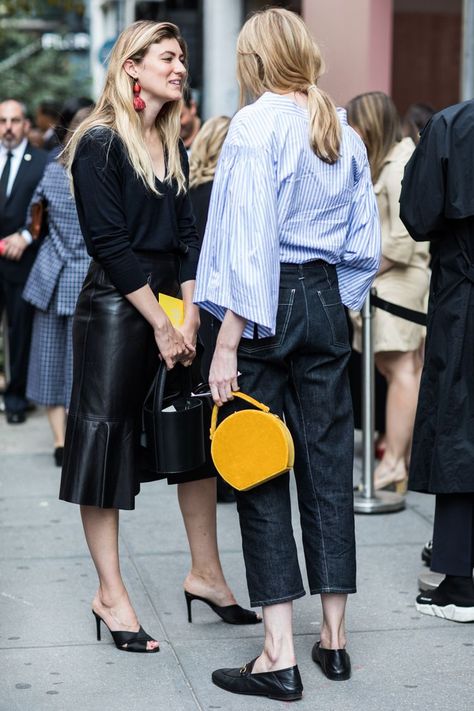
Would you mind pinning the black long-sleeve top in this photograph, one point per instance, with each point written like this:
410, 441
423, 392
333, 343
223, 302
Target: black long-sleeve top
120, 216
200, 199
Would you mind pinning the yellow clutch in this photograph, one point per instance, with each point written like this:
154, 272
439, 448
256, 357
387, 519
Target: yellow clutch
250, 446
173, 308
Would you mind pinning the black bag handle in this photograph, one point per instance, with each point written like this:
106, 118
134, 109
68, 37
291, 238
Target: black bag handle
156, 393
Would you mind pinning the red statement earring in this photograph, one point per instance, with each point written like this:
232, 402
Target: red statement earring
138, 103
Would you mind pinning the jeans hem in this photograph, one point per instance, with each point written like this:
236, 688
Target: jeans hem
340, 591
277, 600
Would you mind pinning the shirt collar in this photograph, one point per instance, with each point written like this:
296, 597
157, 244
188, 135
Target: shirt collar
18, 151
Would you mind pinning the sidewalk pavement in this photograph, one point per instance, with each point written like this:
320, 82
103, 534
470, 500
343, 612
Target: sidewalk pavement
49, 658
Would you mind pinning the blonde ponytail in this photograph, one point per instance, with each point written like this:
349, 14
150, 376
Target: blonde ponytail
324, 125
275, 52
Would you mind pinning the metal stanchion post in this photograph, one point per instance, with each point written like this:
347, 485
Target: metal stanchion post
368, 500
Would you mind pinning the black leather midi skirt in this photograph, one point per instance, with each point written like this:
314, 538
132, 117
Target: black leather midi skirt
115, 359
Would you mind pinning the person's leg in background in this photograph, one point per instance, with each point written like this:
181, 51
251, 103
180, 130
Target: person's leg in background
453, 555
20, 316
47, 372
402, 372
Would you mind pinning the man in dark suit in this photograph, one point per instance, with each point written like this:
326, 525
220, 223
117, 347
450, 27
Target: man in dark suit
21, 168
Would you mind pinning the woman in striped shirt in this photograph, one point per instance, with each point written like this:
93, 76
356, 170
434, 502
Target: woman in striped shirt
292, 235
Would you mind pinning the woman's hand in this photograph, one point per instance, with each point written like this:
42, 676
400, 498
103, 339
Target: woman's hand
171, 343
189, 330
223, 374
191, 323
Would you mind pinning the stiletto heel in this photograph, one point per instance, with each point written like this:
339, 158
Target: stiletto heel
232, 614
97, 623
128, 641
189, 599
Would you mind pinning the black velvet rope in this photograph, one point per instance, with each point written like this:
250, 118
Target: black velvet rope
396, 310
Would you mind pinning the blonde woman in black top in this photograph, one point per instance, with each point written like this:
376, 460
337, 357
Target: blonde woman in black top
129, 173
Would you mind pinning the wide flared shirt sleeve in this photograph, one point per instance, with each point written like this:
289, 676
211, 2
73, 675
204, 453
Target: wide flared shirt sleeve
360, 260
239, 265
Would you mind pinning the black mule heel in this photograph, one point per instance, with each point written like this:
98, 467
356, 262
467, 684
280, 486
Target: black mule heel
232, 614
127, 641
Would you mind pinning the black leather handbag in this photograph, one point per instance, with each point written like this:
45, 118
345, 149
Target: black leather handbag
172, 422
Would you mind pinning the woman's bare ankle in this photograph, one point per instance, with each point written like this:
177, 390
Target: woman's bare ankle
116, 609
332, 639
274, 659
210, 584
111, 597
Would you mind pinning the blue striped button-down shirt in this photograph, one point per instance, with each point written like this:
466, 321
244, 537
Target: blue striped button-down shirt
274, 201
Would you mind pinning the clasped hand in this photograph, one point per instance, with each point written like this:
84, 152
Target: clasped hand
176, 345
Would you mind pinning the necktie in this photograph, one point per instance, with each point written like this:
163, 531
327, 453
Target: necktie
4, 180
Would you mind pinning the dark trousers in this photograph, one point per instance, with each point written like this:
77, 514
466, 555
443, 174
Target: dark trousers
453, 535
301, 373
20, 318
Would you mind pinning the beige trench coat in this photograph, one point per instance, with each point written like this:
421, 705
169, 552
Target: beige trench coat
407, 282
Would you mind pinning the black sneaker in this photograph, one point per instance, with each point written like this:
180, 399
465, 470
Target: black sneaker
426, 553
453, 600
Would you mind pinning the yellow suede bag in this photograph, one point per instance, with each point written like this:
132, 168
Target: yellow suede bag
250, 447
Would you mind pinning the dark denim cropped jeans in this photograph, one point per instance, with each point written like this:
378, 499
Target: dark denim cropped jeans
301, 373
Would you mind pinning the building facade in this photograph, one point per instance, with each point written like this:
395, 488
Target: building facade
411, 49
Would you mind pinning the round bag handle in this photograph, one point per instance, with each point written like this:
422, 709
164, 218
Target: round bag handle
242, 396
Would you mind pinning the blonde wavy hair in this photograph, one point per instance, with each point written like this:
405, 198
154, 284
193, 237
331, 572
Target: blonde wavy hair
374, 116
206, 149
275, 52
114, 109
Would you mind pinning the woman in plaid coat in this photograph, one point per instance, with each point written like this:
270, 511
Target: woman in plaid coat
53, 286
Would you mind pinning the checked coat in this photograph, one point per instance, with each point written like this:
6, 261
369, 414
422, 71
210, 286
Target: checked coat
53, 287
62, 261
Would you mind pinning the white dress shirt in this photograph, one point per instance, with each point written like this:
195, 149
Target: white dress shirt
17, 157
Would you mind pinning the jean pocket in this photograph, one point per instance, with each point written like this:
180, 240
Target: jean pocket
336, 316
285, 306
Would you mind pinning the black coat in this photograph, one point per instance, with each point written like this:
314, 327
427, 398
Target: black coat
13, 216
437, 204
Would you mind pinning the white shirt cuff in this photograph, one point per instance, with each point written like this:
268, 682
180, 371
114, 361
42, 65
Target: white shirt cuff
27, 237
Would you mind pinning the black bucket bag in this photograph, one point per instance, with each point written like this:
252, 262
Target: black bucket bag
172, 422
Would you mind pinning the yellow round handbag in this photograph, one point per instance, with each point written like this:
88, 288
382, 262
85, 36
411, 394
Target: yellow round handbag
250, 447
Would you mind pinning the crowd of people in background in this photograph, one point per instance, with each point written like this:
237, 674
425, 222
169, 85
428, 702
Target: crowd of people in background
57, 301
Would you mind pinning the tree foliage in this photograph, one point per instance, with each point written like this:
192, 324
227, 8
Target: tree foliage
40, 7
45, 73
